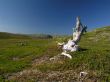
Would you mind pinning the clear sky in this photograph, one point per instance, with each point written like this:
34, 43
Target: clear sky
52, 16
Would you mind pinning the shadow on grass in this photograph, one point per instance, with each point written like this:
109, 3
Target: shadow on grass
82, 49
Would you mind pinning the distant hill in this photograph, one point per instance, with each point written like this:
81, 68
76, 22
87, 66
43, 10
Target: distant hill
41, 36
5, 35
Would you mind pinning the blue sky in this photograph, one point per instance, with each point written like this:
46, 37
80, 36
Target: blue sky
52, 16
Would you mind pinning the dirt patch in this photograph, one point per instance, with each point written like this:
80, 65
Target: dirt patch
40, 60
34, 75
52, 76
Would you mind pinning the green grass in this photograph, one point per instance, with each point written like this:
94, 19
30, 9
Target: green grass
10, 49
94, 55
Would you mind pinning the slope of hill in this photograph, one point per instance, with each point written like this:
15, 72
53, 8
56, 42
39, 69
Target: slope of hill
30, 63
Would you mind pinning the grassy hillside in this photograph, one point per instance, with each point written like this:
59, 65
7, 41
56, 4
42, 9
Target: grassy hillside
94, 56
30, 62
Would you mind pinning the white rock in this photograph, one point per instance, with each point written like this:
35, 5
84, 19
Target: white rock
65, 54
60, 44
83, 74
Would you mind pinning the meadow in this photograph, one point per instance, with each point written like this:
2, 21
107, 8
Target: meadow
18, 54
